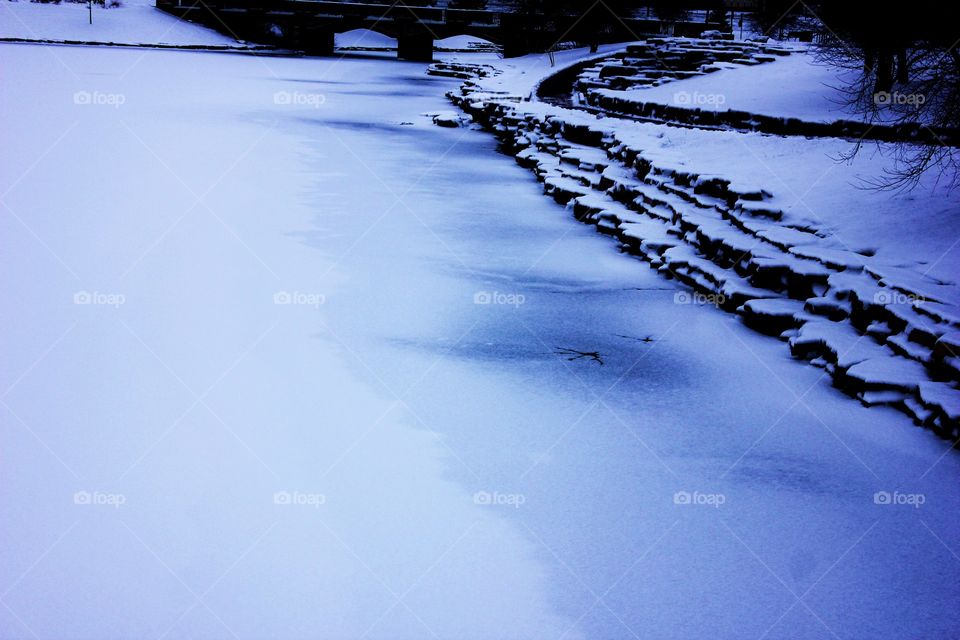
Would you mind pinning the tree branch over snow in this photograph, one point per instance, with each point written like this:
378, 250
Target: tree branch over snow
905, 69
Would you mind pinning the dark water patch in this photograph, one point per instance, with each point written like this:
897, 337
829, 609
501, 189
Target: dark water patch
315, 81
395, 128
789, 473
386, 94
480, 350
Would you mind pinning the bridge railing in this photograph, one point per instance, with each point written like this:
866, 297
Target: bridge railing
353, 10
472, 16
374, 11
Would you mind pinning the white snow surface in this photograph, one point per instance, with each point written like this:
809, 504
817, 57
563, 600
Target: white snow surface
134, 22
461, 42
280, 359
794, 86
360, 38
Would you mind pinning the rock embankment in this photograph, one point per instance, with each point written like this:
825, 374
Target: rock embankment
886, 334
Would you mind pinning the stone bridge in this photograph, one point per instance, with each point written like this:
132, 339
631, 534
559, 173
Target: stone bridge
310, 26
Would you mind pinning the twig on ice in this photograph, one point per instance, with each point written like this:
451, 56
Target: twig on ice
576, 355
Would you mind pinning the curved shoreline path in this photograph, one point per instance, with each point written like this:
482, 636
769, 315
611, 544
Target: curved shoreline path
281, 358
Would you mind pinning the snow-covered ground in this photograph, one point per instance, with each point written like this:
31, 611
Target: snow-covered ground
364, 38
917, 228
794, 86
134, 22
465, 43
282, 358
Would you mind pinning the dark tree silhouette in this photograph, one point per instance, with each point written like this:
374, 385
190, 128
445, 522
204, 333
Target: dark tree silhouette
586, 21
775, 18
907, 70
669, 11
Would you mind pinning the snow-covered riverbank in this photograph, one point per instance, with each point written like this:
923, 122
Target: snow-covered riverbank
133, 22
282, 358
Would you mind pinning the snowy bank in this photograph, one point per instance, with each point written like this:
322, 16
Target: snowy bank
788, 263
133, 22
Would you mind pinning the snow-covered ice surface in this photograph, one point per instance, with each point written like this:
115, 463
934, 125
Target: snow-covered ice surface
329, 402
134, 22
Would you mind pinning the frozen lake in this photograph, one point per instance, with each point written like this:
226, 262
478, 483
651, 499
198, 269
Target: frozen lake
282, 358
